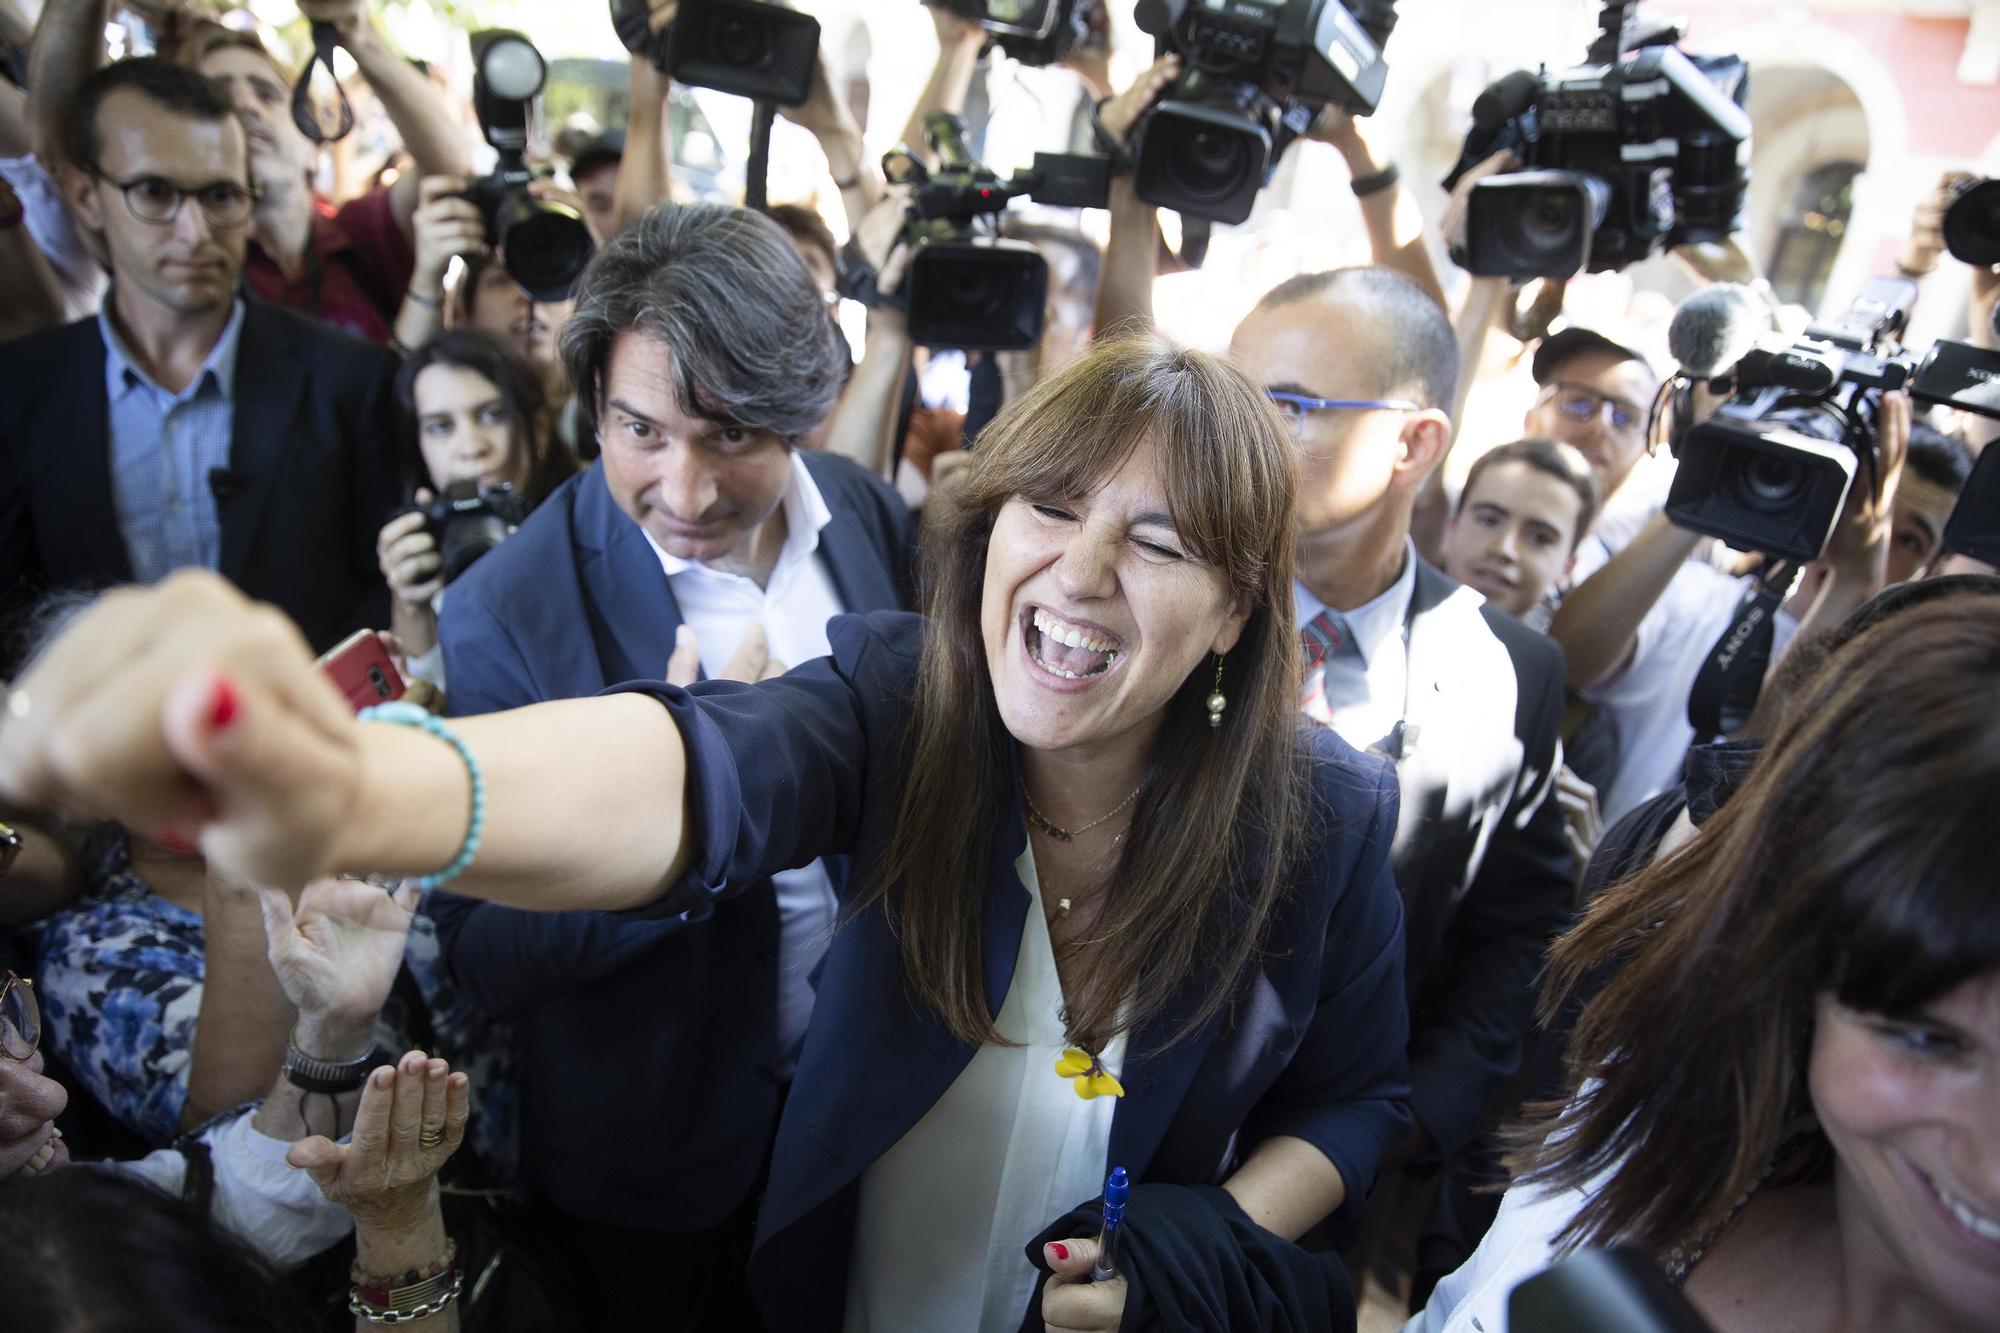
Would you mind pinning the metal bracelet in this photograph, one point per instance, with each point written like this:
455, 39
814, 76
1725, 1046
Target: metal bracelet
404, 1314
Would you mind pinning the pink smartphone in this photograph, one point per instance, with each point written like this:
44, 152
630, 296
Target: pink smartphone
363, 670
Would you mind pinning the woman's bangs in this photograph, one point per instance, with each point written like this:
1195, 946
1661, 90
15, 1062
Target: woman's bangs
1920, 918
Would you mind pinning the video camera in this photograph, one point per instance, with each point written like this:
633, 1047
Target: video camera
963, 289
1254, 76
545, 246
1630, 154
751, 48
1771, 468
1034, 32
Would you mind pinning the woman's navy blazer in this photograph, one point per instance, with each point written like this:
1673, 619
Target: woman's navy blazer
811, 763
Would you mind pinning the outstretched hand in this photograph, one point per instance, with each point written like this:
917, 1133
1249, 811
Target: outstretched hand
385, 1173
1122, 111
337, 951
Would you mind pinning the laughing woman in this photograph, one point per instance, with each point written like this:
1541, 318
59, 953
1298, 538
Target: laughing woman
1083, 815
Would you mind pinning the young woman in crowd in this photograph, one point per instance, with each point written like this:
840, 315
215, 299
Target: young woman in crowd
1788, 1090
477, 413
1114, 905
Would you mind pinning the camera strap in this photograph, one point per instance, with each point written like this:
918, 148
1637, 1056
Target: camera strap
1726, 688
304, 114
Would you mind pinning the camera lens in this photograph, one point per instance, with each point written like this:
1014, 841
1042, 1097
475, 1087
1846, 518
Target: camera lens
740, 42
1972, 224
546, 249
1548, 222
972, 290
1768, 483
1209, 163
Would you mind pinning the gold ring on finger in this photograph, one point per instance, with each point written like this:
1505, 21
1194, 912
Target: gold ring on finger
430, 1138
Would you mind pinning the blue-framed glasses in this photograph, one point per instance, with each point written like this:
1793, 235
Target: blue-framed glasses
1294, 408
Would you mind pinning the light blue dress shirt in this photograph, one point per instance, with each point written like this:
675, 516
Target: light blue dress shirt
163, 448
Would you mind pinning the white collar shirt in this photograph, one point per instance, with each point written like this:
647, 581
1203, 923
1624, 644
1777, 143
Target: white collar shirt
1367, 691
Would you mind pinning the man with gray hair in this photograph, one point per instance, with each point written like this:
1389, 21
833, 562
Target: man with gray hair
654, 1058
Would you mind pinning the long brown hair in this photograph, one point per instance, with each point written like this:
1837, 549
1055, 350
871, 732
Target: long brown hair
1220, 815
1854, 860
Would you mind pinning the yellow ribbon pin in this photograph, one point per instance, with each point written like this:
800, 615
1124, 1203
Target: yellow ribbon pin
1090, 1078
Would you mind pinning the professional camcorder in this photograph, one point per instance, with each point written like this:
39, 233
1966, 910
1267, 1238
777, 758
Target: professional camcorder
974, 291
1637, 151
751, 48
469, 520
1771, 468
545, 246
1034, 32
1972, 223
1254, 75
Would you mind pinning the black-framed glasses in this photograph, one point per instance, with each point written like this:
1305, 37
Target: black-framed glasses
1579, 403
157, 199
1294, 408
20, 1018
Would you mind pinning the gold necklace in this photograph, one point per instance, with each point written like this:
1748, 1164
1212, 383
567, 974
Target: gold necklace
1061, 834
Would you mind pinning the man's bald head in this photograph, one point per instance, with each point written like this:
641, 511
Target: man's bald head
1399, 342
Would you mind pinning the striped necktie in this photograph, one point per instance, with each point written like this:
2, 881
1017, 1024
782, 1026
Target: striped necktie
1322, 639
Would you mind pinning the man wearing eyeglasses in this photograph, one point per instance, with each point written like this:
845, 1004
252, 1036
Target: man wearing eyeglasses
1401, 660
185, 424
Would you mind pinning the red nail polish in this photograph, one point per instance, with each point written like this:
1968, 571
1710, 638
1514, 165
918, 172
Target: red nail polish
1059, 1250
221, 704
173, 842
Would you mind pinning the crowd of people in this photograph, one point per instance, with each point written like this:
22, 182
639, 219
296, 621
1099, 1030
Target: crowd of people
802, 830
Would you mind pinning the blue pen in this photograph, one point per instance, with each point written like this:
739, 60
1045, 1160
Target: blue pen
1115, 1189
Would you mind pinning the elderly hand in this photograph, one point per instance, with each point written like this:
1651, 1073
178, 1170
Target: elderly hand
1071, 1302
752, 660
183, 707
385, 1174
336, 954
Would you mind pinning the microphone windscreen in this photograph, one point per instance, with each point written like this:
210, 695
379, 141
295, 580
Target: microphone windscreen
1503, 99
1713, 329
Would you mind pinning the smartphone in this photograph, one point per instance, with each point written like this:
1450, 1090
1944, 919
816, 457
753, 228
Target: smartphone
363, 670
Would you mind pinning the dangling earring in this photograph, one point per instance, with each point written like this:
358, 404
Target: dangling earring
1217, 701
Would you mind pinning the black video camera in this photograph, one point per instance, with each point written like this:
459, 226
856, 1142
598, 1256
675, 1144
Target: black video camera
747, 47
545, 246
1770, 470
469, 520
963, 289
1034, 32
1630, 154
1972, 224
1254, 76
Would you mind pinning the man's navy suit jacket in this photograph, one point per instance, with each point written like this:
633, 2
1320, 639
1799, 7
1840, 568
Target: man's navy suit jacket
311, 478
649, 1095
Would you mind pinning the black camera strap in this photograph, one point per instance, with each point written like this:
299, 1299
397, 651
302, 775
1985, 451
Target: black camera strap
1726, 688
304, 114
757, 172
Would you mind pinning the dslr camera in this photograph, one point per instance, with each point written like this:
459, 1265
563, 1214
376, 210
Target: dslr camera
1972, 223
751, 48
469, 520
971, 290
1625, 156
1254, 75
1034, 32
1771, 468
545, 246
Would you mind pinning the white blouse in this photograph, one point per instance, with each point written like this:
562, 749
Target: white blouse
947, 1213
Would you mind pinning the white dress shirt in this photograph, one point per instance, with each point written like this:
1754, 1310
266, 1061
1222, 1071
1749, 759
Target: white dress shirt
946, 1214
1368, 695
793, 606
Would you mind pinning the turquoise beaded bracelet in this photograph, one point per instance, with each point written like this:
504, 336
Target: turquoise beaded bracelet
409, 715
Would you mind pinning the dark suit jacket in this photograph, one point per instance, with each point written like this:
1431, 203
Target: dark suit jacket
810, 763
634, 1111
312, 451
1480, 855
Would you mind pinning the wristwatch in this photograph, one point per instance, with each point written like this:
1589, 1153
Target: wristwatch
10, 847
315, 1075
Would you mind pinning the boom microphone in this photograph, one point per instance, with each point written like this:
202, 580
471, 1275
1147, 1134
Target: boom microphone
1714, 328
